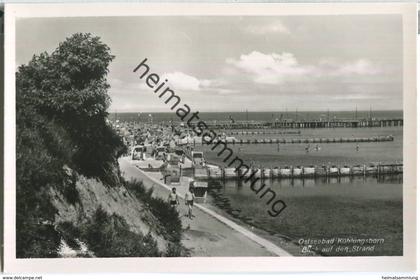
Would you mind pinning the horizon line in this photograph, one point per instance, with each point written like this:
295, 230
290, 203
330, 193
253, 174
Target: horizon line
289, 111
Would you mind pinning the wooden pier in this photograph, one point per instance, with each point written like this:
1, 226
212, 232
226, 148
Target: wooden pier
264, 132
301, 124
233, 141
387, 138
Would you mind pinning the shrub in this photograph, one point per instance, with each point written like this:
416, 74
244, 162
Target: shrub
109, 236
174, 250
39, 240
70, 233
167, 215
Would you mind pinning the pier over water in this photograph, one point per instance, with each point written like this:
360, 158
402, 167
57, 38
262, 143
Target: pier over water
299, 124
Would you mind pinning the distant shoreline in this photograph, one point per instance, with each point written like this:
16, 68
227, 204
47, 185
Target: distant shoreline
292, 111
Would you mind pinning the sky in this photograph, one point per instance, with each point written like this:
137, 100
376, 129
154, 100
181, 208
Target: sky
238, 63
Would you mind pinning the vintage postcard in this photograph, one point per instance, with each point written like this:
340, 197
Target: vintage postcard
210, 137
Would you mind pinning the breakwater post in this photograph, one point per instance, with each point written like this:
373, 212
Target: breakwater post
301, 124
216, 172
233, 141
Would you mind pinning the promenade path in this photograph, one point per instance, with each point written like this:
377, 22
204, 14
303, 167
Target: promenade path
208, 233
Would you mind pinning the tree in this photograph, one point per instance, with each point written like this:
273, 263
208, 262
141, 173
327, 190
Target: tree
61, 111
69, 87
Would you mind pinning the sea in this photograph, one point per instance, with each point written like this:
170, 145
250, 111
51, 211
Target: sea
349, 207
260, 116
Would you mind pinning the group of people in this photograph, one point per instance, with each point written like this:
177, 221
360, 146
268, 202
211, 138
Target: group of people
308, 147
189, 200
318, 148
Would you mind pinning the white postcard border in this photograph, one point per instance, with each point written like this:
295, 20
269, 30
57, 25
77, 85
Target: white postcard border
214, 264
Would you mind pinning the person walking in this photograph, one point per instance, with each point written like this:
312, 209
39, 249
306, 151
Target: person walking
173, 198
189, 200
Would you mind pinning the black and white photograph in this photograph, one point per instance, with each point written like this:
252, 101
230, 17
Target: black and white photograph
224, 135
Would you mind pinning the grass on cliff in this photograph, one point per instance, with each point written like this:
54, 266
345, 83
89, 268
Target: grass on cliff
109, 236
168, 217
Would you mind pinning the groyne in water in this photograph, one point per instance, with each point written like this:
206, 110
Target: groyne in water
309, 124
216, 172
313, 140
198, 140
263, 132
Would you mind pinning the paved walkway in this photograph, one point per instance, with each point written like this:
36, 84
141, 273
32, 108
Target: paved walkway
150, 162
208, 233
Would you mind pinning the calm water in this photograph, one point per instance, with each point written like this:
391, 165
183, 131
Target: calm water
259, 116
369, 187
274, 155
357, 207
